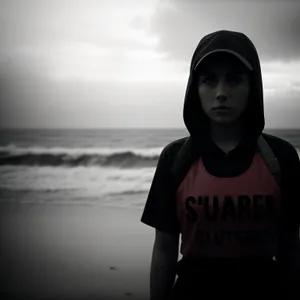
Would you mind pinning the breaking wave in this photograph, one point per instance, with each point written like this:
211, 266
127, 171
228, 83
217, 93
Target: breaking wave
71, 157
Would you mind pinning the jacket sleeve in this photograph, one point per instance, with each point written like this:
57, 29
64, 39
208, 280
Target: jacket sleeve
290, 244
291, 190
160, 208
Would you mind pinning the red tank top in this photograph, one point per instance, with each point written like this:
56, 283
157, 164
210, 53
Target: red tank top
229, 217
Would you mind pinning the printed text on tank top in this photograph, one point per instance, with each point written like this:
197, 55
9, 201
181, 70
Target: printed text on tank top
228, 217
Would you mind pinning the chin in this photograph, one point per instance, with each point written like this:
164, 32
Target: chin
222, 120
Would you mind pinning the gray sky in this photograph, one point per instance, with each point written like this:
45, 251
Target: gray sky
67, 63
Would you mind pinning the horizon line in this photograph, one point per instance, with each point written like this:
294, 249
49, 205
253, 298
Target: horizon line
122, 128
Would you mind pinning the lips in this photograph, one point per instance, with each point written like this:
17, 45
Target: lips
222, 107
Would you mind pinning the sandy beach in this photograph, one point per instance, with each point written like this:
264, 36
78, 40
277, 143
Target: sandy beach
70, 207
74, 252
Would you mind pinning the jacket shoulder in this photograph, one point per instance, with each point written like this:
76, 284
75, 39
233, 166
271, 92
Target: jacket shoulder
289, 162
281, 147
160, 208
286, 154
171, 150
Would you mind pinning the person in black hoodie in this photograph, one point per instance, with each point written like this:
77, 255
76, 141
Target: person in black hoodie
239, 224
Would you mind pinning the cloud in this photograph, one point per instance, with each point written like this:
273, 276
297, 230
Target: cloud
28, 100
103, 23
281, 77
92, 63
89, 39
273, 26
48, 28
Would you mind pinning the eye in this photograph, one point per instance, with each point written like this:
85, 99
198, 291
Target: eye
208, 79
235, 78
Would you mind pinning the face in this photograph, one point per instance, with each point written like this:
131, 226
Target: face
223, 81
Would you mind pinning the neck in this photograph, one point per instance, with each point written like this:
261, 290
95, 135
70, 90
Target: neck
226, 133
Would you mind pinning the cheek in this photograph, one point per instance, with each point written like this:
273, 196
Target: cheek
204, 94
200, 91
243, 97
204, 100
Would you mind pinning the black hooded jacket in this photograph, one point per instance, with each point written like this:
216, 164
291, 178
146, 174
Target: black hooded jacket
177, 157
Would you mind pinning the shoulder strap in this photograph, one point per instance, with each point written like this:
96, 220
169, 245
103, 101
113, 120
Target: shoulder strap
269, 158
186, 156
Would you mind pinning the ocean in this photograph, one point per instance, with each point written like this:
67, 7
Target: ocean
108, 167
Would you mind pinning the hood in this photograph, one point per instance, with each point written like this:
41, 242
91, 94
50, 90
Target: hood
196, 121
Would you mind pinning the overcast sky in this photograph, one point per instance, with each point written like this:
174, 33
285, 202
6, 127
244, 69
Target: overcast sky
116, 63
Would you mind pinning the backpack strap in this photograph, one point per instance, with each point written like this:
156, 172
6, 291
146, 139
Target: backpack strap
269, 158
187, 155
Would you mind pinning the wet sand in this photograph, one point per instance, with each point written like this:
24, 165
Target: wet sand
74, 252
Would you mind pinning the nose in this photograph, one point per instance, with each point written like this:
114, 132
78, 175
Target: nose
221, 92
